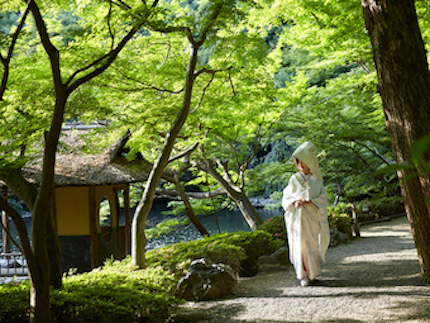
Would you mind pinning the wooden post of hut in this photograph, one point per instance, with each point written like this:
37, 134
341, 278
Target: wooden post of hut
6, 224
127, 224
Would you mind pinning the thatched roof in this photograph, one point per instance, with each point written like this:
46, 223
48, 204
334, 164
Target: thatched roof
74, 168
82, 171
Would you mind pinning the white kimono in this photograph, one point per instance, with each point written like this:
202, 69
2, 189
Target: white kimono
307, 226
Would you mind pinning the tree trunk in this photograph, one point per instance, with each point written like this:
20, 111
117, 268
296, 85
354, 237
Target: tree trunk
247, 210
404, 84
234, 193
39, 293
138, 239
54, 251
189, 209
27, 192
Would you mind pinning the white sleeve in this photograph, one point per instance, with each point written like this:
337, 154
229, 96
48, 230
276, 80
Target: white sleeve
291, 193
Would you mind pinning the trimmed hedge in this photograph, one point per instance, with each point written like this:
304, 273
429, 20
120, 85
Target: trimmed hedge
240, 250
114, 293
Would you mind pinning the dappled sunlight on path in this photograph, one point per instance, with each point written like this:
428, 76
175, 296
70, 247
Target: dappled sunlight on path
374, 278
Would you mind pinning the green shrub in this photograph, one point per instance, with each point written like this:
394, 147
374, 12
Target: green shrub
275, 226
385, 206
240, 250
114, 293
15, 305
340, 223
339, 214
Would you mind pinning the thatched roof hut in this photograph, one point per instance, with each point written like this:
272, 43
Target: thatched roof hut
83, 183
74, 168
82, 171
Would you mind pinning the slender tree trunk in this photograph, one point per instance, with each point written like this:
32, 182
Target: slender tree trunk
40, 281
234, 193
54, 251
247, 210
188, 208
138, 241
404, 86
27, 192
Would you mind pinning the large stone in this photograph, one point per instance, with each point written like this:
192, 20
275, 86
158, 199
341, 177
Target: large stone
206, 281
267, 268
187, 316
281, 255
276, 261
264, 260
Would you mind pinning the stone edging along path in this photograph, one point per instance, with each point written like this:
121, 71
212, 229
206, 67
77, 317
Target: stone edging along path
374, 278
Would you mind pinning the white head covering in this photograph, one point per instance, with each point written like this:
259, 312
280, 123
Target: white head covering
307, 153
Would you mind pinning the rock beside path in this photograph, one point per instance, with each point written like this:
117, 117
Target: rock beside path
374, 278
277, 261
206, 281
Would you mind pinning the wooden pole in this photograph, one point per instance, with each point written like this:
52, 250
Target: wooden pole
6, 224
93, 227
127, 215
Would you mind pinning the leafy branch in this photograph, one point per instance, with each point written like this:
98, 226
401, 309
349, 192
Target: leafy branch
6, 60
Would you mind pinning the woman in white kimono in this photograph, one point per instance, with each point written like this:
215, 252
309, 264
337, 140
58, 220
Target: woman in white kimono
305, 204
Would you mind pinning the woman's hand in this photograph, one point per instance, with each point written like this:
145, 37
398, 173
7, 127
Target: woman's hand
301, 202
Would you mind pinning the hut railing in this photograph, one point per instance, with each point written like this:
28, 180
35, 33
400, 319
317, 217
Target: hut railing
13, 264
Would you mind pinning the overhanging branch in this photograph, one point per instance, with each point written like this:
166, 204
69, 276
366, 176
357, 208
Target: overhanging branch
184, 153
6, 61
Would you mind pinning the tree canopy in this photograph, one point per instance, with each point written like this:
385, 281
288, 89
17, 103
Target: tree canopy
214, 82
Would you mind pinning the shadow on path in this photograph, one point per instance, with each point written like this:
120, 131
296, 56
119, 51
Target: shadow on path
375, 278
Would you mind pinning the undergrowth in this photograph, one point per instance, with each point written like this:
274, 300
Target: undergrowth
115, 292
118, 292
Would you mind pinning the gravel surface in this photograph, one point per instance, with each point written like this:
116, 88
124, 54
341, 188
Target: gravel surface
374, 278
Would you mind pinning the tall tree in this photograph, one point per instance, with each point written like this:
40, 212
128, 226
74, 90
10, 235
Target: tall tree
12, 163
226, 78
404, 83
339, 38
196, 37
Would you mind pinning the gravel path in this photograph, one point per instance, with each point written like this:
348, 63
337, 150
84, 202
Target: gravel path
374, 278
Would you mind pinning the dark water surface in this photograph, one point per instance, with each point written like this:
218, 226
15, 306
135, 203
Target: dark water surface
223, 221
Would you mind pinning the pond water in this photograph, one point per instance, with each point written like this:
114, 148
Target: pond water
223, 221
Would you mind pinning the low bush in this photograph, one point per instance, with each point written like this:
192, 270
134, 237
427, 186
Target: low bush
114, 293
240, 250
117, 292
340, 222
339, 216
15, 305
385, 206
276, 227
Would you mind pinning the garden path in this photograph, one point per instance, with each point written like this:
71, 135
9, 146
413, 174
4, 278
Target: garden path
374, 278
